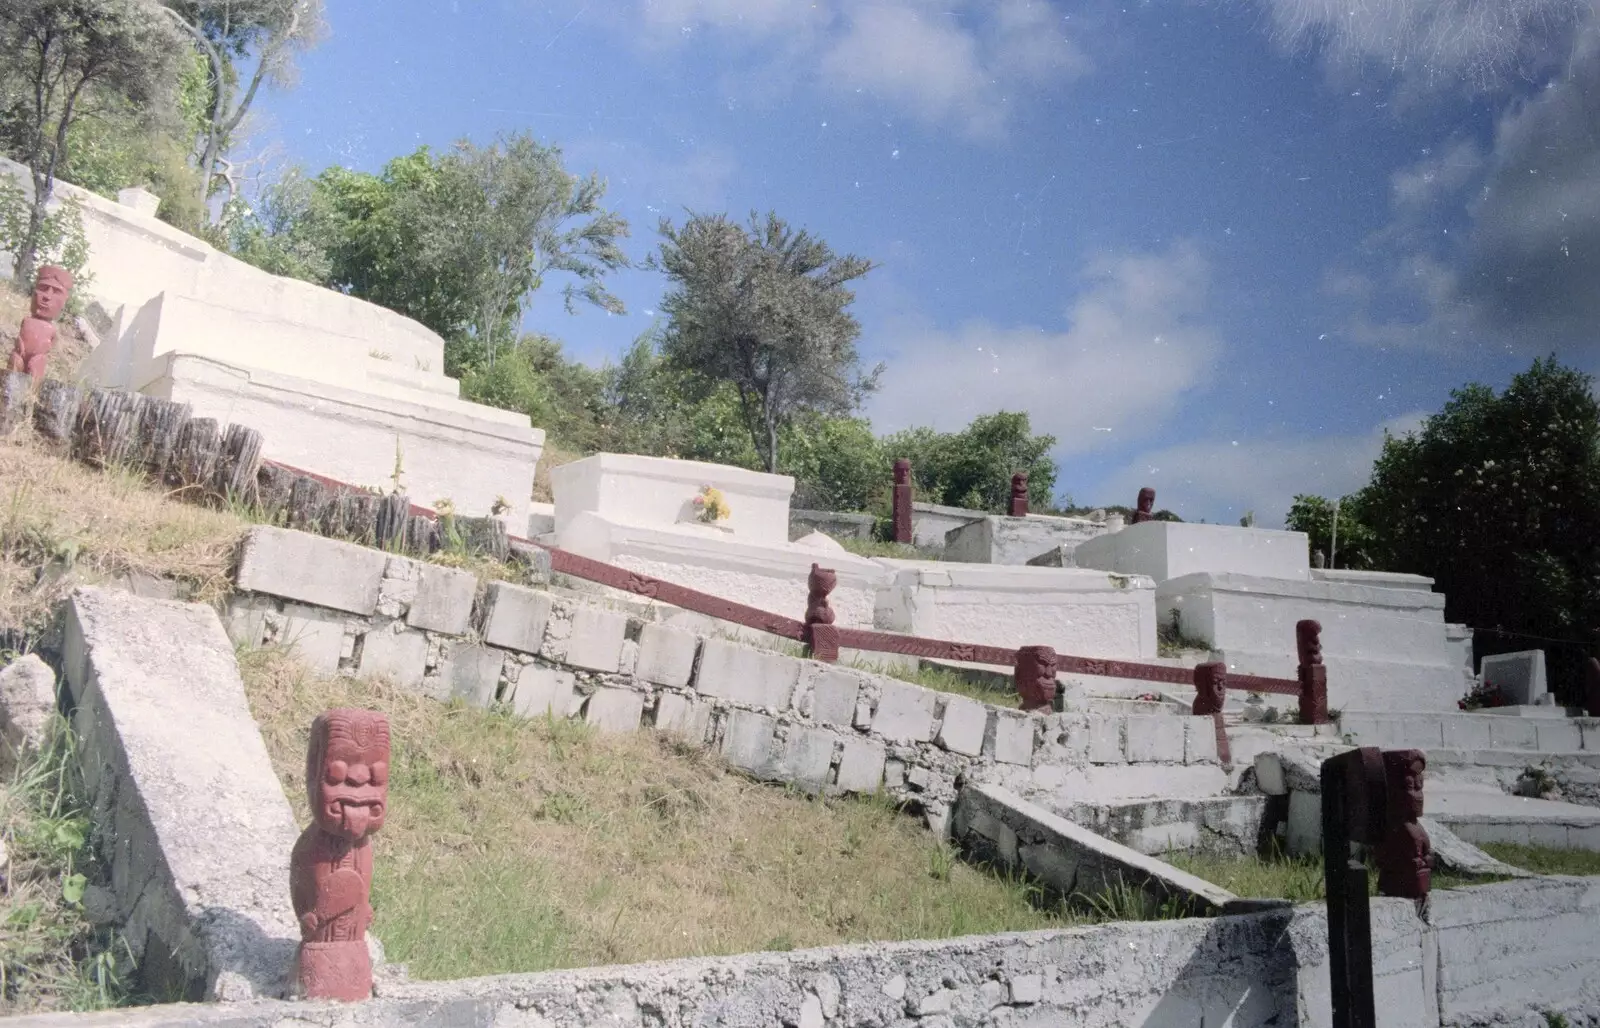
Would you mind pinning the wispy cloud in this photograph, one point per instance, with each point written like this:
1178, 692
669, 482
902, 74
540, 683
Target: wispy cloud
1137, 340
1223, 479
958, 63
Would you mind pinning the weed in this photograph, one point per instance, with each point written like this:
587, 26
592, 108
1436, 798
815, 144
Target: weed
1543, 860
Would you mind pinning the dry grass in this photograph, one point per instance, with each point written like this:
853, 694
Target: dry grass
62, 523
1300, 879
554, 456
517, 845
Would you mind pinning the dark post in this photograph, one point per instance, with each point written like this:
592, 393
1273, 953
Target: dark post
1352, 812
1313, 676
902, 501
1035, 677
1210, 690
1591, 686
1019, 495
821, 637
1147, 502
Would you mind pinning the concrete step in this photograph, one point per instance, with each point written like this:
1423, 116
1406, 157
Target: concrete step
1225, 824
1483, 814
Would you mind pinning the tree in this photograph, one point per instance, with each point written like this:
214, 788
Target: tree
1313, 515
273, 32
63, 50
766, 310
1497, 498
973, 468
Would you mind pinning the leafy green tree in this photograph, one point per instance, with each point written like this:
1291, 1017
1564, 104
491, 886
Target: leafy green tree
973, 468
766, 309
1313, 515
286, 232
657, 409
1497, 498
837, 463
269, 33
565, 398
64, 53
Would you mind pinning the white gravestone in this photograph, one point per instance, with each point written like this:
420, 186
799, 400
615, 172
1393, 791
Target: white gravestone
1520, 676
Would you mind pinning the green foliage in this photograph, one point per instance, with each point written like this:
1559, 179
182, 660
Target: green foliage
837, 463
1497, 498
284, 233
565, 397
764, 309
60, 239
1313, 515
973, 468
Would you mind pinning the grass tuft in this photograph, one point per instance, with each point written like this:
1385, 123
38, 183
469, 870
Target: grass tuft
1279, 876
1544, 861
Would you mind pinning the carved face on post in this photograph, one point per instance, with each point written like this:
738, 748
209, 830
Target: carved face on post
820, 585
1308, 640
1147, 502
1036, 677
1211, 687
1403, 774
50, 290
347, 772
902, 472
1019, 486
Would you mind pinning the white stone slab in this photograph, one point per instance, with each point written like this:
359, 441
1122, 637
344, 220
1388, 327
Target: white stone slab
443, 602
614, 711
963, 726
543, 692
596, 640
904, 713
683, 716
315, 636
666, 656
749, 677
313, 570
474, 673
659, 492
1012, 739
861, 766
931, 523
833, 697
1520, 676
515, 617
1006, 540
1164, 550
748, 741
399, 656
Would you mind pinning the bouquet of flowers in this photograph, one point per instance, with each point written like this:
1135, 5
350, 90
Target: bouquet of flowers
1484, 694
713, 507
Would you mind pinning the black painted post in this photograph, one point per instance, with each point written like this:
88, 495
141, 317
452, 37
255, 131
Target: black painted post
1352, 812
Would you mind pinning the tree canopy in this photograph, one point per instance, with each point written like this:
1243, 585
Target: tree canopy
973, 468
764, 308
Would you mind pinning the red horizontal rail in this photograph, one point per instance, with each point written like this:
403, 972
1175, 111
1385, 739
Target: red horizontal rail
1256, 683
917, 646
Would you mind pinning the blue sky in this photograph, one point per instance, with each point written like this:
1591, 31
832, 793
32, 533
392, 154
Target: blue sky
1213, 247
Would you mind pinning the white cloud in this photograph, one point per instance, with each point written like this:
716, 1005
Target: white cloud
1137, 341
1222, 479
697, 179
1436, 176
957, 62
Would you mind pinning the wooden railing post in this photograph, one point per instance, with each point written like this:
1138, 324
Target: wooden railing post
1352, 812
821, 638
902, 501
1035, 677
1210, 690
1019, 495
1313, 675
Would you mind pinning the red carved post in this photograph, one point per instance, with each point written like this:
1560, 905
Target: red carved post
37, 336
1147, 502
1019, 495
1210, 691
1035, 677
1404, 855
1591, 686
821, 637
330, 870
902, 501
1313, 676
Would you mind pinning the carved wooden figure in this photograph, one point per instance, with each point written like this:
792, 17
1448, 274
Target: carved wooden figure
1405, 856
902, 501
1210, 693
1019, 495
37, 337
1313, 675
821, 636
1036, 677
1147, 502
330, 871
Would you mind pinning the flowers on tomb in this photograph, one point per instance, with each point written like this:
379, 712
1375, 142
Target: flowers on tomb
1483, 695
711, 504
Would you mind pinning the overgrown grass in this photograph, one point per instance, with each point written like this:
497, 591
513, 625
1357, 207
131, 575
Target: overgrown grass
1544, 861
879, 548
51, 956
1170, 642
1300, 879
940, 679
62, 523
517, 845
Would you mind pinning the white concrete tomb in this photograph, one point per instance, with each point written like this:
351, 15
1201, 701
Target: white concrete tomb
1171, 549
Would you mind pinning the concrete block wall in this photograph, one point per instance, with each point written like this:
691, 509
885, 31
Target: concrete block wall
351, 610
1499, 954
1467, 731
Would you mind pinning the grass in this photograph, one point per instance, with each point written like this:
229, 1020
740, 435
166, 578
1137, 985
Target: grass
62, 524
879, 548
1170, 642
941, 679
51, 956
518, 846
1299, 879
1543, 861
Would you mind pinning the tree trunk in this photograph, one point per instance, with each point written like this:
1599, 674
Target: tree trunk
160, 424
772, 443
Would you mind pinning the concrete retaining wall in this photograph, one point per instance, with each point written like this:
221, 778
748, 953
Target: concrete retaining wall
1493, 955
350, 609
1468, 731
187, 810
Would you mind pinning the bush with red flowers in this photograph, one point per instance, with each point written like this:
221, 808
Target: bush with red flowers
1484, 694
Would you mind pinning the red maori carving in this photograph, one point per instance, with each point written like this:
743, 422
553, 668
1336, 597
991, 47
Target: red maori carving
330, 870
37, 336
902, 501
821, 637
1210, 691
1019, 495
1147, 502
960, 652
567, 563
1036, 677
1405, 855
1313, 676
1256, 683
